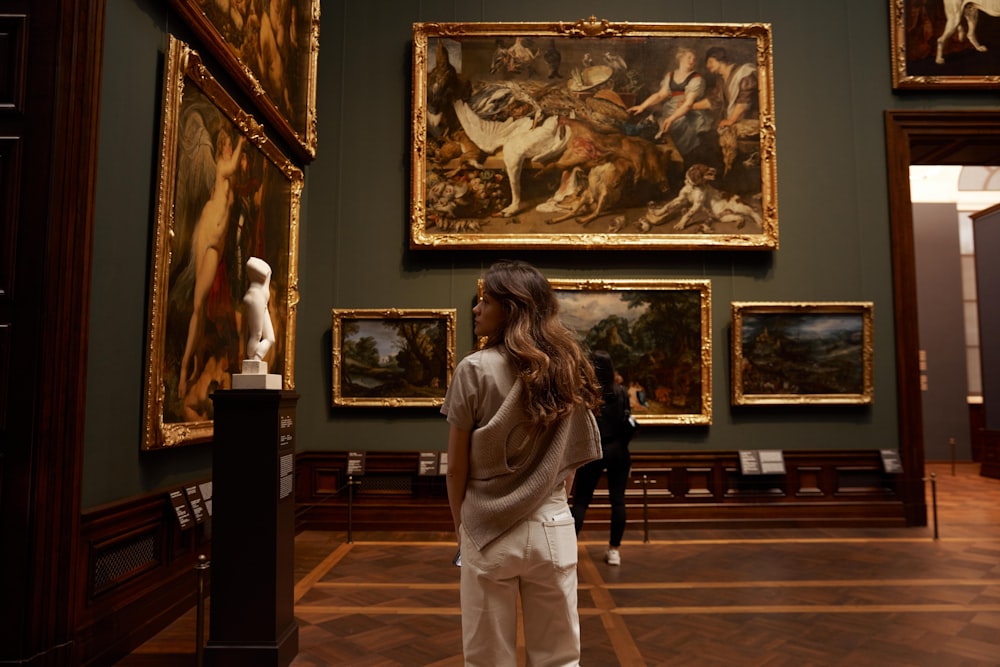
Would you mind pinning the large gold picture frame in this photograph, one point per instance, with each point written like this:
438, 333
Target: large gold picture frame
659, 335
225, 193
555, 135
271, 51
392, 357
802, 353
944, 44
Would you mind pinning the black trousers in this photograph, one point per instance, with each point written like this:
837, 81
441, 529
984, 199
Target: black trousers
617, 462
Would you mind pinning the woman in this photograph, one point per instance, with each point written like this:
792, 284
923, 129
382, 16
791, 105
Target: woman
615, 459
521, 421
676, 107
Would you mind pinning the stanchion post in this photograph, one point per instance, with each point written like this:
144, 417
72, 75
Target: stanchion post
934, 503
951, 445
201, 569
645, 508
350, 508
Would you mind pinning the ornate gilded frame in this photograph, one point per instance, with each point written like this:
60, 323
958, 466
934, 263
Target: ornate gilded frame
802, 353
261, 219
918, 62
659, 334
235, 39
364, 337
455, 204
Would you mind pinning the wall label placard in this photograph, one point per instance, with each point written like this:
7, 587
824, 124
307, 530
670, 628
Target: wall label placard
762, 462
197, 503
181, 509
891, 461
356, 463
433, 463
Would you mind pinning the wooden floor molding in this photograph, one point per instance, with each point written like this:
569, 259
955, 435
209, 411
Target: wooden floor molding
780, 597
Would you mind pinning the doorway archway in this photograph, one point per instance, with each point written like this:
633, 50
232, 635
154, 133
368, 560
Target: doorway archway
931, 138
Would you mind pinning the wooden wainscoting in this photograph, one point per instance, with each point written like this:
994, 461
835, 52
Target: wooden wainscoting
139, 574
669, 489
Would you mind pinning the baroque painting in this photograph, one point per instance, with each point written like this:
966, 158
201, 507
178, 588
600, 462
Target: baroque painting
271, 50
802, 353
225, 194
593, 134
659, 335
945, 44
392, 357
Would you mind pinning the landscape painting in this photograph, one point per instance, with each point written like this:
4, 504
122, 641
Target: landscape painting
659, 335
802, 353
392, 358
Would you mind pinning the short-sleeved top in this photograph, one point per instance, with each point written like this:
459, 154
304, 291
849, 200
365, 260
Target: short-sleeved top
478, 387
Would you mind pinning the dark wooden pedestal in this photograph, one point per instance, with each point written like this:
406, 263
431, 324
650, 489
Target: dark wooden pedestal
253, 546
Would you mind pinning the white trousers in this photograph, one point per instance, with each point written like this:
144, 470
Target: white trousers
538, 559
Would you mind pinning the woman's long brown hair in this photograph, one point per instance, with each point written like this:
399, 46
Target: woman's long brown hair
556, 373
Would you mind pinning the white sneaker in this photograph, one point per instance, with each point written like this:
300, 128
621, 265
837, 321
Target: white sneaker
612, 557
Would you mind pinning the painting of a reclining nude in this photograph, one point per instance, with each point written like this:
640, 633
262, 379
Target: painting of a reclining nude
593, 135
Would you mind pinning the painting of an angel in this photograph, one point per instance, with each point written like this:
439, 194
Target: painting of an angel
595, 134
226, 195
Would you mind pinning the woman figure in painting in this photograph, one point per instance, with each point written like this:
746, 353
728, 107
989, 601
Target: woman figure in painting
208, 240
674, 105
521, 421
615, 459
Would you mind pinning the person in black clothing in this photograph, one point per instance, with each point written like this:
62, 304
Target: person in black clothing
612, 422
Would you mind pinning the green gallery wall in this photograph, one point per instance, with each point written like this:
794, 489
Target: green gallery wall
832, 84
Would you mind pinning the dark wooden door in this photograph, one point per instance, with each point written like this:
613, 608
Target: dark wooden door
49, 92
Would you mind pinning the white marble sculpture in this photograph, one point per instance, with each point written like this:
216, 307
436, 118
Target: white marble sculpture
260, 336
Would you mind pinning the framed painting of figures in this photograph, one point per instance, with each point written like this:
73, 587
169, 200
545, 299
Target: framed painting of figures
392, 357
593, 135
271, 50
802, 353
659, 335
225, 194
945, 44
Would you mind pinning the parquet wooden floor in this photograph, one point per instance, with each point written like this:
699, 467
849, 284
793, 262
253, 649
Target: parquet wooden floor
825, 597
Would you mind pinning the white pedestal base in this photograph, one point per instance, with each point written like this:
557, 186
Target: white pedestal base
255, 376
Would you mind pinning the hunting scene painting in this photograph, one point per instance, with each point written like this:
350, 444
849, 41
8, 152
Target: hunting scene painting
392, 358
658, 334
593, 134
802, 353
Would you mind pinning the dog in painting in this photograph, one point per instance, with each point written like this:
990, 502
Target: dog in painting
699, 196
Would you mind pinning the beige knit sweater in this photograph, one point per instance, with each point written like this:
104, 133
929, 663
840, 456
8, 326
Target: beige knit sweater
513, 470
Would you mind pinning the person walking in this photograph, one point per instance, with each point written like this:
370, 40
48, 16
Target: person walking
613, 423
